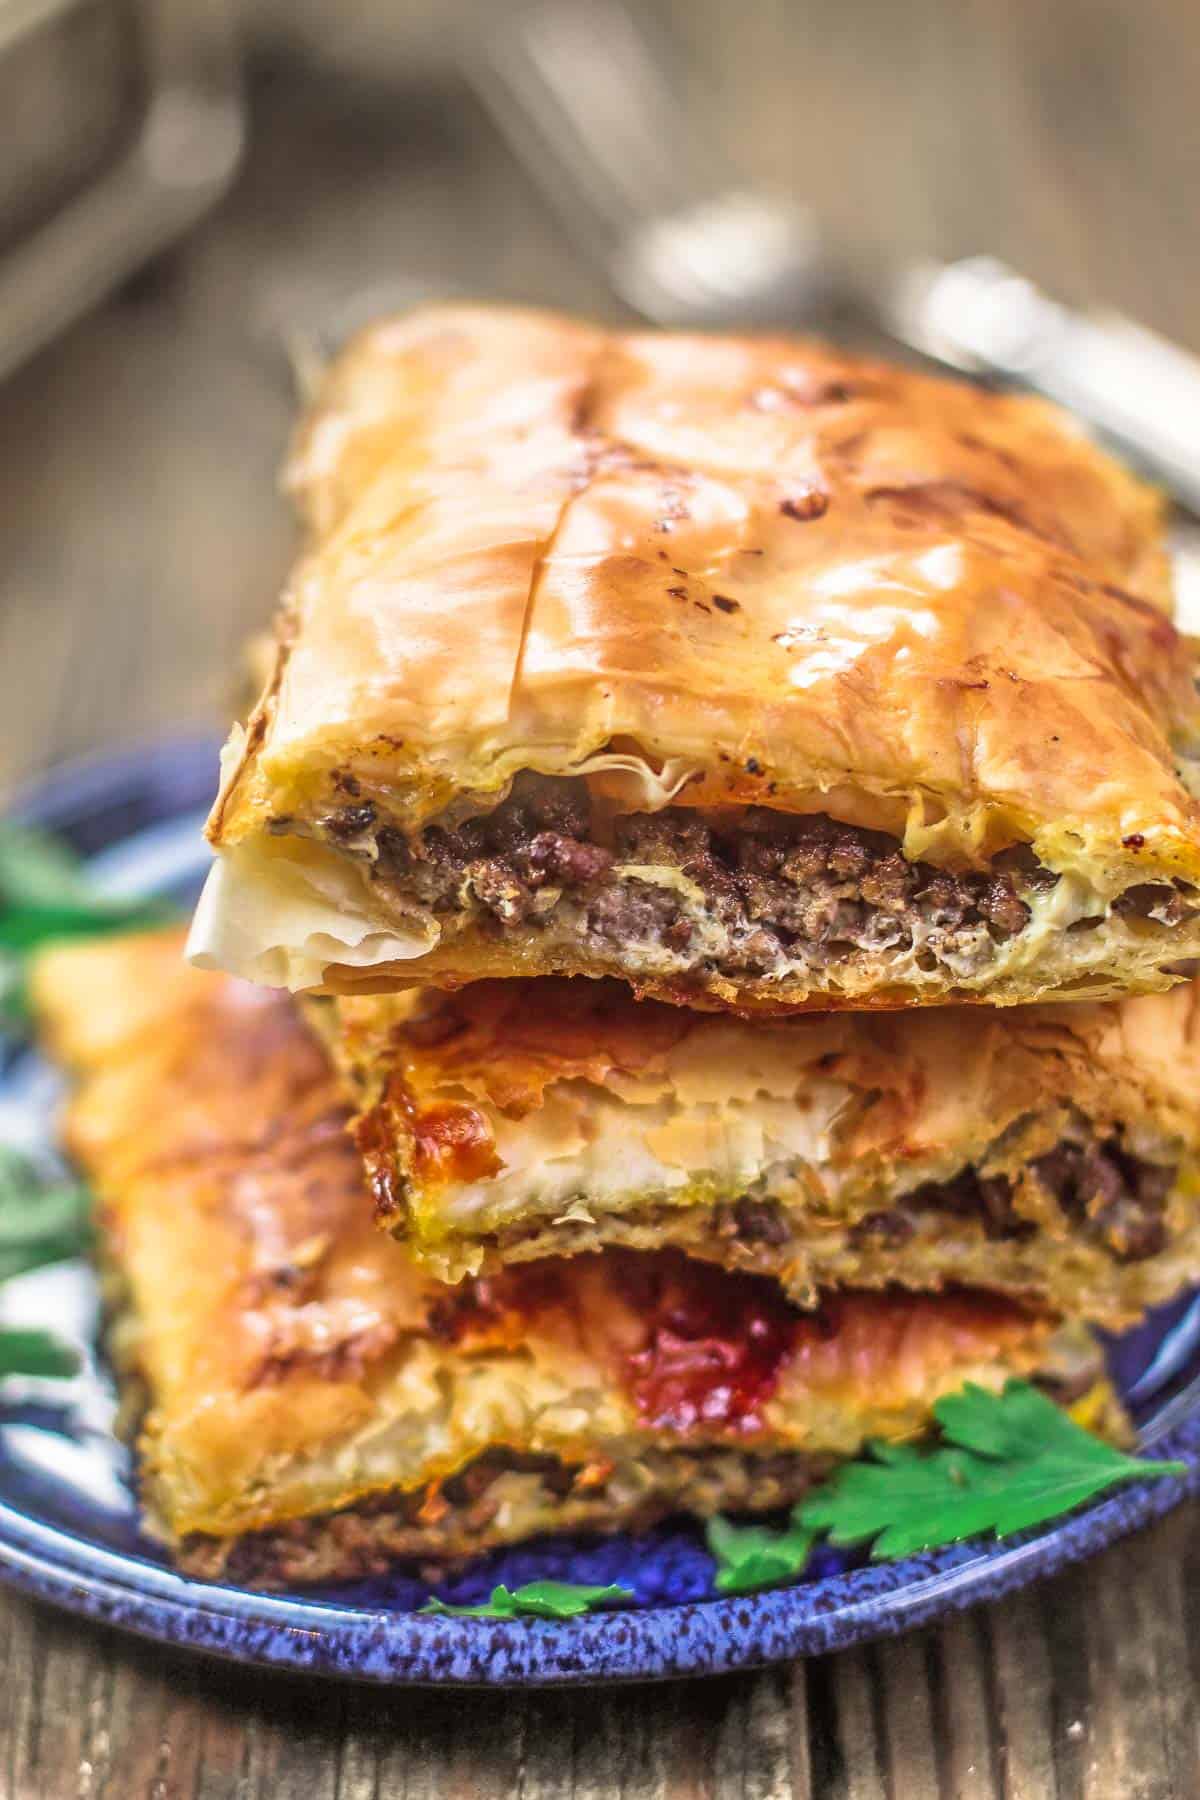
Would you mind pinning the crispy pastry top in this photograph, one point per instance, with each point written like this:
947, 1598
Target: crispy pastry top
772, 571
297, 1361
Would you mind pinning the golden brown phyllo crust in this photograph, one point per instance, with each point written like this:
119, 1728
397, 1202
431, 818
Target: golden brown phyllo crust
753, 673
313, 1398
1046, 1152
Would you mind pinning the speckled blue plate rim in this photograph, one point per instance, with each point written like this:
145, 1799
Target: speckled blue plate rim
709, 1637
372, 1644
182, 769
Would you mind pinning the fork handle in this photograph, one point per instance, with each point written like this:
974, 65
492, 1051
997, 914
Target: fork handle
1132, 386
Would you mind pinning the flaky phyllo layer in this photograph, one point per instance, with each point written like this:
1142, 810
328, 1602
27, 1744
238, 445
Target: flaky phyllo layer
1048, 1152
754, 674
317, 1405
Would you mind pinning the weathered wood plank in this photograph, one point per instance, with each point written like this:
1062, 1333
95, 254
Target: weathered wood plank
856, 1756
1141, 1731
975, 1707
1020, 1689
965, 1726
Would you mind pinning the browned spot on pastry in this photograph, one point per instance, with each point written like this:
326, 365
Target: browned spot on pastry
813, 504
951, 499
451, 1141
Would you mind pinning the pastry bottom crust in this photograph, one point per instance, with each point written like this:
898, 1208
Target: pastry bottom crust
502, 1499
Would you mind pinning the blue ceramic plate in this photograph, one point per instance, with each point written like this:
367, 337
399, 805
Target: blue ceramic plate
68, 1520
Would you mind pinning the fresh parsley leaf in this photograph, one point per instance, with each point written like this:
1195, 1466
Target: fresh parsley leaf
1008, 1461
24, 928
566, 1599
1018, 1422
753, 1556
22, 1259
537, 1599
37, 870
40, 1222
36, 1353
45, 894
31, 1206
14, 1012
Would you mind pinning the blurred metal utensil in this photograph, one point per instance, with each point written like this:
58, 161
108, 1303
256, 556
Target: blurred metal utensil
589, 103
592, 106
1137, 389
174, 119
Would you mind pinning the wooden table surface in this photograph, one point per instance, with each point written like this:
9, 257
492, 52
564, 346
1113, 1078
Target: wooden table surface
142, 540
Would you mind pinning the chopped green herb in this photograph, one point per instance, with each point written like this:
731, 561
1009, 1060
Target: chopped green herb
36, 1353
754, 1556
1008, 1461
537, 1600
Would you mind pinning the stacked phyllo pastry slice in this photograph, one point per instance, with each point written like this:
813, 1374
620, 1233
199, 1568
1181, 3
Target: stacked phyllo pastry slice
1047, 1153
752, 674
667, 739
317, 1403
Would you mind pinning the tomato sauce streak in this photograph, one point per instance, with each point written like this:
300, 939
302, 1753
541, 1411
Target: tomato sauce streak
454, 1142
498, 1308
716, 1343
711, 1343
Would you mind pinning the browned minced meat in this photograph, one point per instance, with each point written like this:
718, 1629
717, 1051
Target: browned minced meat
1114, 1194
779, 883
1150, 900
1112, 1197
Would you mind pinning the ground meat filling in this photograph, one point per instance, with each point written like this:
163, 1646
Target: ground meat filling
447, 1522
1110, 1199
1113, 1198
1114, 1195
775, 888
